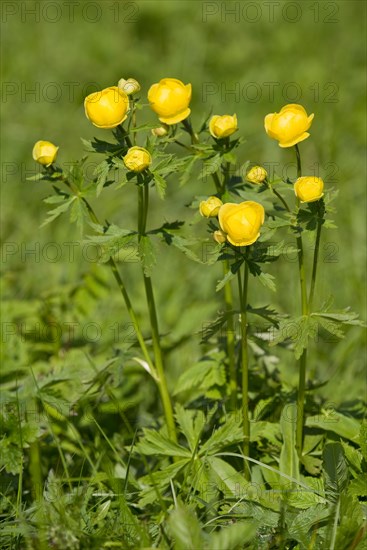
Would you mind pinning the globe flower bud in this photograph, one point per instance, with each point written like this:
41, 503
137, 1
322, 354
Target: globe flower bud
241, 222
160, 132
222, 126
309, 188
108, 108
129, 86
137, 159
44, 152
170, 99
289, 126
219, 236
210, 207
257, 174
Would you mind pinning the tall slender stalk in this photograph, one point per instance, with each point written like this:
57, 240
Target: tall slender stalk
243, 288
315, 261
305, 311
143, 203
228, 298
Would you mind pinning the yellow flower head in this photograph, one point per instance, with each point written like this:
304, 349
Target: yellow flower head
219, 236
170, 99
241, 222
222, 126
289, 126
44, 152
309, 188
210, 207
108, 108
160, 132
257, 174
129, 86
137, 159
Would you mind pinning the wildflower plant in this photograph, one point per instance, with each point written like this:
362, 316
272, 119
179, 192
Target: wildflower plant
230, 421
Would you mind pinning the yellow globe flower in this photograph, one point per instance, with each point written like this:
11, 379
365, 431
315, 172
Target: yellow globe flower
289, 126
309, 188
170, 99
129, 86
222, 126
160, 132
137, 159
210, 207
241, 222
108, 108
44, 152
219, 236
257, 174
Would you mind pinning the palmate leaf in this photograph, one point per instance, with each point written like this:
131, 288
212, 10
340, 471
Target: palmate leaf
233, 537
210, 329
201, 376
298, 330
160, 481
160, 184
345, 426
306, 520
112, 240
101, 173
56, 212
227, 434
226, 479
156, 443
230, 274
288, 461
147, 254
335, 470
211, 165
191, 423
185, 529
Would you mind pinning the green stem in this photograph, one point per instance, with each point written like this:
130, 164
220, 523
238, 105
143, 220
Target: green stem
189, 128
230, 335
315, 262
305, 311
143, 203
111, 262
245, 366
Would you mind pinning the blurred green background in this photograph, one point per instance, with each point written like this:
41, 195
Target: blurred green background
250, 58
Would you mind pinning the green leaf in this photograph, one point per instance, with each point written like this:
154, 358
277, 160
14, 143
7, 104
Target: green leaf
101, 173
187, 170
363, 438
191, 423
307, 520
288, 462
234, 536
202, 376
155, 443
335, 470
230, 274
56, 212
358, 486
147, 254
211, 165
185, 529
160, 184
336, 422
160, 481
227, 434
227, 480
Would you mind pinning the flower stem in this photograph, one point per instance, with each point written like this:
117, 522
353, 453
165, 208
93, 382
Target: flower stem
244, 364
305, 311
143, 203
111, 262
230, 335
187, 124
315, 261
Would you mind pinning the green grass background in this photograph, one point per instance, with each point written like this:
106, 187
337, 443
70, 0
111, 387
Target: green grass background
147, 40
